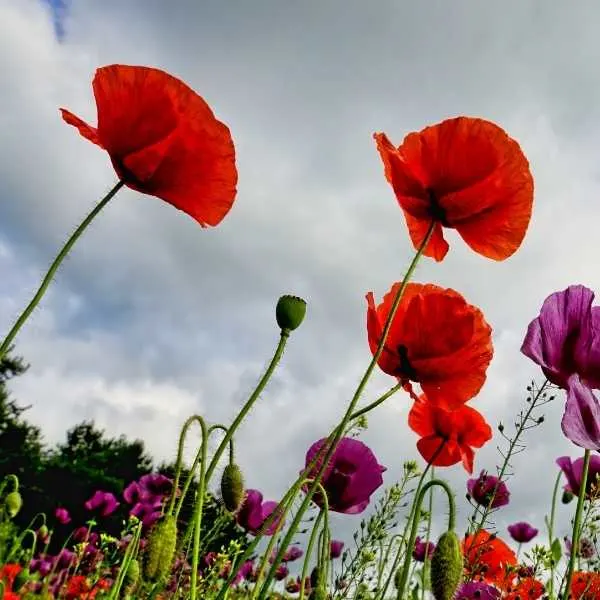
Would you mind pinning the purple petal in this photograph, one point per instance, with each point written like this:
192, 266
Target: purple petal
581, 420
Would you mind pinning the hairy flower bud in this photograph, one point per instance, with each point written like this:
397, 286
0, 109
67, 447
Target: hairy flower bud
446, 566
567, 497
13, 503
133, 574
160, 549
290, 312
232, 487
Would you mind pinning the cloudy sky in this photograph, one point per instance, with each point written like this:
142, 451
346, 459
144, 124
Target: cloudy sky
152, 318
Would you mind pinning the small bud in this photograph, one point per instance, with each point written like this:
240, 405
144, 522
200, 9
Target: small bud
540, 420
232, 487
160, 549
43, 532
446, 566
290, 312
13, 503
500, 427
567, 497
133, 574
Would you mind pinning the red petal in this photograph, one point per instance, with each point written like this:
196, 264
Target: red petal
85, 130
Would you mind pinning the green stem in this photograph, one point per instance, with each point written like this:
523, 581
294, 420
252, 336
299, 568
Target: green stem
375, 403
6, 344
578, 511
198, 512
415, 526
246, 408
427, 536
309, 549
337, 434
551, 531
231, 442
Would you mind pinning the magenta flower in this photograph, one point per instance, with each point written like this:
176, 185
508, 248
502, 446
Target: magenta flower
41, 565
103, 502
587, 549
522, 532
335, 548
293, 553
581, 419
156, 484
254, 512
422, 549
350, 478
281, 573
562, 340
482, 488
65, 559
476, 590
62, 516
147, 513
573, 471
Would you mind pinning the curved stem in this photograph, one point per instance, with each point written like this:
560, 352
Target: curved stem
415, 526
551, 531
4, 348
231, 442
250, 402
427, 536
338, 431
375, 403
198, 512
578, 511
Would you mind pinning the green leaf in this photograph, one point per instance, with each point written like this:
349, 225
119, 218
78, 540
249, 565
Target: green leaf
556, 550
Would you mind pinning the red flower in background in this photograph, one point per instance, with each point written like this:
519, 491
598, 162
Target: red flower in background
527, 588
465, 174
8, 572
163, 140
487, 557
456, 432
436, 339
585, 585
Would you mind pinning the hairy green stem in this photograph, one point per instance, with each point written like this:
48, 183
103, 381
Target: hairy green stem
550, 524
338, 432
6, 344
309, 549
375, 403
415, 526
427, 535
576, 532
198, 508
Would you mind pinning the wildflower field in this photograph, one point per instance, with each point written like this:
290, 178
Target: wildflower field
199, 530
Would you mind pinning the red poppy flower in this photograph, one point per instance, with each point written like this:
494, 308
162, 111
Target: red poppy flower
456, 432
527, 588
489, 558
466, 174
585, 585
163, 140
8, 573
436, 339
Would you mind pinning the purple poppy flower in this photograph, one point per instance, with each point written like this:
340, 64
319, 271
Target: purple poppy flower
422, 549
335, 548
62, 516
148, 514
482, 488
253, 513
80, 534
133, 494
156, 484
281, 573
476, 590
581, 419
103, 502
573, 471
563, 339
522, 532
587, 549
350, 478
65, 559
41, 565
292, 554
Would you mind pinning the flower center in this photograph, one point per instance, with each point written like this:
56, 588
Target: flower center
435, 210
405, 367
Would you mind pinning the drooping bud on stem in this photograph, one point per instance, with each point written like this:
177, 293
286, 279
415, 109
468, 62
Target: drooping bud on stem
446, 566
290, 312
13, 503
161, 549
232, 487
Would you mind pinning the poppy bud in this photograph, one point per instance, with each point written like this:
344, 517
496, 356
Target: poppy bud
232, 487
398, 578
160, 549
446, 566
290, 312
13, 503
133, 574
567, 497
43, 532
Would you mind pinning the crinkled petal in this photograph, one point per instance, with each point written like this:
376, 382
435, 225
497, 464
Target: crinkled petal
581, 419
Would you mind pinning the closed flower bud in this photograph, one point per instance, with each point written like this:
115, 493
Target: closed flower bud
567, 497
43, 532
133, 574
13, 503
160, 549
232, 487
446, 566
290, 312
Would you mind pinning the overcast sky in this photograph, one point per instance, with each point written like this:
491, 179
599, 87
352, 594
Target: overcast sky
152, 318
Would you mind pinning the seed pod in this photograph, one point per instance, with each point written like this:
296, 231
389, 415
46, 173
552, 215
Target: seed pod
13, 503
160, 549
446, 566
290, 312
232, 487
